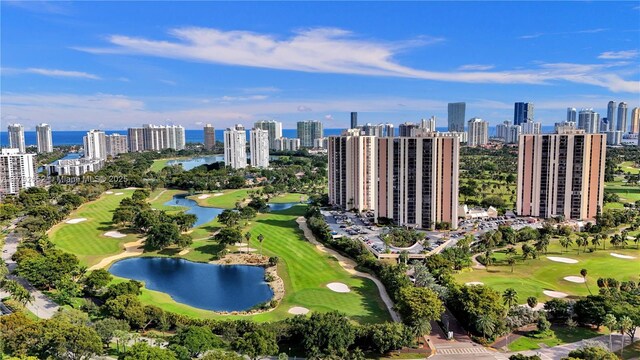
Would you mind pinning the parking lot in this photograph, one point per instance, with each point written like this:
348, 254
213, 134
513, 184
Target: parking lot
362, 228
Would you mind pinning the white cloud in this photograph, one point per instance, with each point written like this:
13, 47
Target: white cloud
328, 117
625, 54
587, 31
327, 50
475, 67
51, 73
303, 108
168, 82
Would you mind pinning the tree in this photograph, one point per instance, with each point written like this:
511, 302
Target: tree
486, 325
488, 260
143, 351
107, 328
543, 324
197, 339
510, 297
128, 308
591, 353
625, 325
18, 292
580, 241
162, 235
229, 217
532, 302
228, 236
223, 355
611, 323
583, 273
97, 280
419, 304
511, 261
260, 239
390, 336
327, 333
565, 242
65, 340
247, 238
256, 344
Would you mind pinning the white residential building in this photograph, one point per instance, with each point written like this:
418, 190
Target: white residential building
116, 144
74, 167
273, 127
320, 143
44, 138
95, 145
478, 132
287, 144
17, 171
513, 134
531, 127
589, 121
235, 147
308, 131
16, 137
259, 147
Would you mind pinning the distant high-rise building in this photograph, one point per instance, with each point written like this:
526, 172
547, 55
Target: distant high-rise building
17, 171
209, 137
564, 124
321, 143
16, 137
614, 137
501, 130
44, 138
611, 115
308, 131
561, 174
635, 121
273, 127
428, 125
417, 180
288, 144
531, 127
456, 116
259, 147
604, 125
95, 145
235, 147
522, 112
589, 121
513, 134
388, 130
407, 129
478, 132
354, 120
371, 130
621, 124
116, 144
572, 115
135, 136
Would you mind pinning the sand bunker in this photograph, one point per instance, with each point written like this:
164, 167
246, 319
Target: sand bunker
115, 234
620, 256
108, 192
119, 193
218, 194
474, 283
575, 279
562, 260
240, 244
247, 249
184, 252
338, 287
298, 310
555, 294
75, 221
204, 196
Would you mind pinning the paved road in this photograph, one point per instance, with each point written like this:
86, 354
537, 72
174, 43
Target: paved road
42, 306
349, 265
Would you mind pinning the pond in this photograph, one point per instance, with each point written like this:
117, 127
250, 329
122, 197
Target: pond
194, 162
203, 213
282, 206
204, 286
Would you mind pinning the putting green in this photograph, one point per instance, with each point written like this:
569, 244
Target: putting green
531, 277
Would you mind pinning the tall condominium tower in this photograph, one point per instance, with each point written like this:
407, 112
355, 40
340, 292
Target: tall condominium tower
561, 174
531, 127
635, 121
522, 112
611, 115
209, 137
16, 137
235, 147
621, 124
274, 129
156, 138
288, 144
501, 129
456, 116
354, 120
418, 180
135, 136
116, 144
428, 125
478, 132
352, 164
407, 129
17, 171
589, 121
572, 115
308, 131
95, 145
259, 147
44, 138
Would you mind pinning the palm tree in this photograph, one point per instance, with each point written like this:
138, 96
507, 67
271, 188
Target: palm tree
581, 242
610, 322
605, 238
543, 244
486, 325
510, 297
488, 260
615, 240
583, 272
261, 239
565, 242
511, 261
596, 240
624, 241
532, 301
637, 241
247, 237
626, 324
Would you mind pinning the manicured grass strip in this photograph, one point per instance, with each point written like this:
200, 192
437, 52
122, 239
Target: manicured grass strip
288, 198
226, 201
531, 277
561, 335
86, 239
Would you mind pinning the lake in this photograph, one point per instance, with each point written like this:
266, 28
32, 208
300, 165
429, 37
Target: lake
204, 286
204, 214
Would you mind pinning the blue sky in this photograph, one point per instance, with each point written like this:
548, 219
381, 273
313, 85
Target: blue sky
112, 65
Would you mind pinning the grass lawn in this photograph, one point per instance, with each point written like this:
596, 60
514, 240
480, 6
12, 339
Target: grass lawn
491, 187
631, 351
86, 239
629, 167
561, 335
305, 271
159, 164
288, 198
531, 277
227, 200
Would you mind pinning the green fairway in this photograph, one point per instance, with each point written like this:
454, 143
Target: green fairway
86, 239
304, 269
227, 200
629, 167
559, 336
159, 164
532, 277
288, 198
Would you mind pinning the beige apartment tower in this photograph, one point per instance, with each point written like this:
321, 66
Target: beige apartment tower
209, 137
561, 174
418, 180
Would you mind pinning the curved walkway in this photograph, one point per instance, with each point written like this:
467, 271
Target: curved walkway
476, 263
157, 196
349, 265
130, 249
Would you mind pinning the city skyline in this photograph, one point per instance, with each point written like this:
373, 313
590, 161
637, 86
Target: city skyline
111, 64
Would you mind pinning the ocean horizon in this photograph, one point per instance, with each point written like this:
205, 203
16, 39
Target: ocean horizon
67, 138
